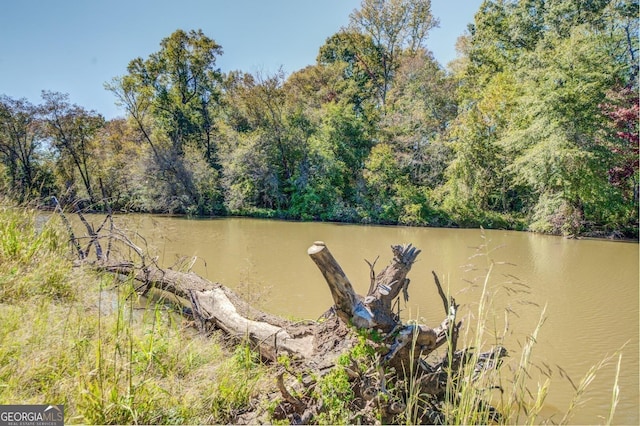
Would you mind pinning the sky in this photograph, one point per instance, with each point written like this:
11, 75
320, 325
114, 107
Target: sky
75, 46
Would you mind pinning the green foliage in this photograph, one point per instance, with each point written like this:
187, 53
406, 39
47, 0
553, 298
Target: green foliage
393, 27
555, 145
122, 158
356, 59
335, 388
21, 137
173, 98
337, 395
534, 125
72, 130
526, 141
392, 197
237, 382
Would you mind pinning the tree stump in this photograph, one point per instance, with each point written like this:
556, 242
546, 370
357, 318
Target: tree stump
375, 310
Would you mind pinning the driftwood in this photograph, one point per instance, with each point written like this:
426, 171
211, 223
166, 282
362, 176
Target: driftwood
400, 349
214, 306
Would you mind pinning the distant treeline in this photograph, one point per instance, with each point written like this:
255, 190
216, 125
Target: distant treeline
534, 126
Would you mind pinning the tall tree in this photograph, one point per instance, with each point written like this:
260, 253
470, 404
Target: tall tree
423, 108
532, 80
72, 129
560, 119
477, 178
21, 135
394, 26
173, 97
357, 60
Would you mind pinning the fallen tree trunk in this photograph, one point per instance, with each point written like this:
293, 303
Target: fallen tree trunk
214, 306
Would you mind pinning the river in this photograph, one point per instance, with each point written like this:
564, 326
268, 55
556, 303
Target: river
589, 288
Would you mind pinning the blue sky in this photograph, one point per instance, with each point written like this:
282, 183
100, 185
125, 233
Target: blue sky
75, 46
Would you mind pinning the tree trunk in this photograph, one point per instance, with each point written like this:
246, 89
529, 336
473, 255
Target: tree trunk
375, 311
214, 306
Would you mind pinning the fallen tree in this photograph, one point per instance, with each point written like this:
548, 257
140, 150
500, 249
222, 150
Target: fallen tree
384, 376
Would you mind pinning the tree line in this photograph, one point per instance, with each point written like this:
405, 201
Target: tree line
533, 126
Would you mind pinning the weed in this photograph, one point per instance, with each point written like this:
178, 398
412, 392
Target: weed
504, 395
237, 381
337, 395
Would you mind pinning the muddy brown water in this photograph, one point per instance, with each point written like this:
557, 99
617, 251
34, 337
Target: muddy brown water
589, 288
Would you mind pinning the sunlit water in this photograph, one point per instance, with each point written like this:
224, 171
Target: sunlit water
589, 288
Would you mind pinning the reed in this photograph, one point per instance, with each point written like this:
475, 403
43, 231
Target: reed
510, 394
580, 390
615, 394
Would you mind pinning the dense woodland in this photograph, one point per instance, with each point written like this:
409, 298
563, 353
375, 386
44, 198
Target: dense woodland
534, 126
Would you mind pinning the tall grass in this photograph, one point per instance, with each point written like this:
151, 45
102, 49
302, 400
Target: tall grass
515, 393
32, 258
70, 336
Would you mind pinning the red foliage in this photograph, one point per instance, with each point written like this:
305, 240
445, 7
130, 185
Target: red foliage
624, 111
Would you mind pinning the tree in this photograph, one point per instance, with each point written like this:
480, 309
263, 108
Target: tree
382, 175
330, 179
622, 107
121, 153
394, 26
478, 186
173, 97
555, 140
360, 129
21, 135
185, 81
72, 130
356, 59
248, 179
531, 82
266, 124
478, 173
423, 108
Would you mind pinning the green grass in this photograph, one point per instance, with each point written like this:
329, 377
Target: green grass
70, 336
33, 261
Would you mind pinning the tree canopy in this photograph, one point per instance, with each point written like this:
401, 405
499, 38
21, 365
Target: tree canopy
533, 126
